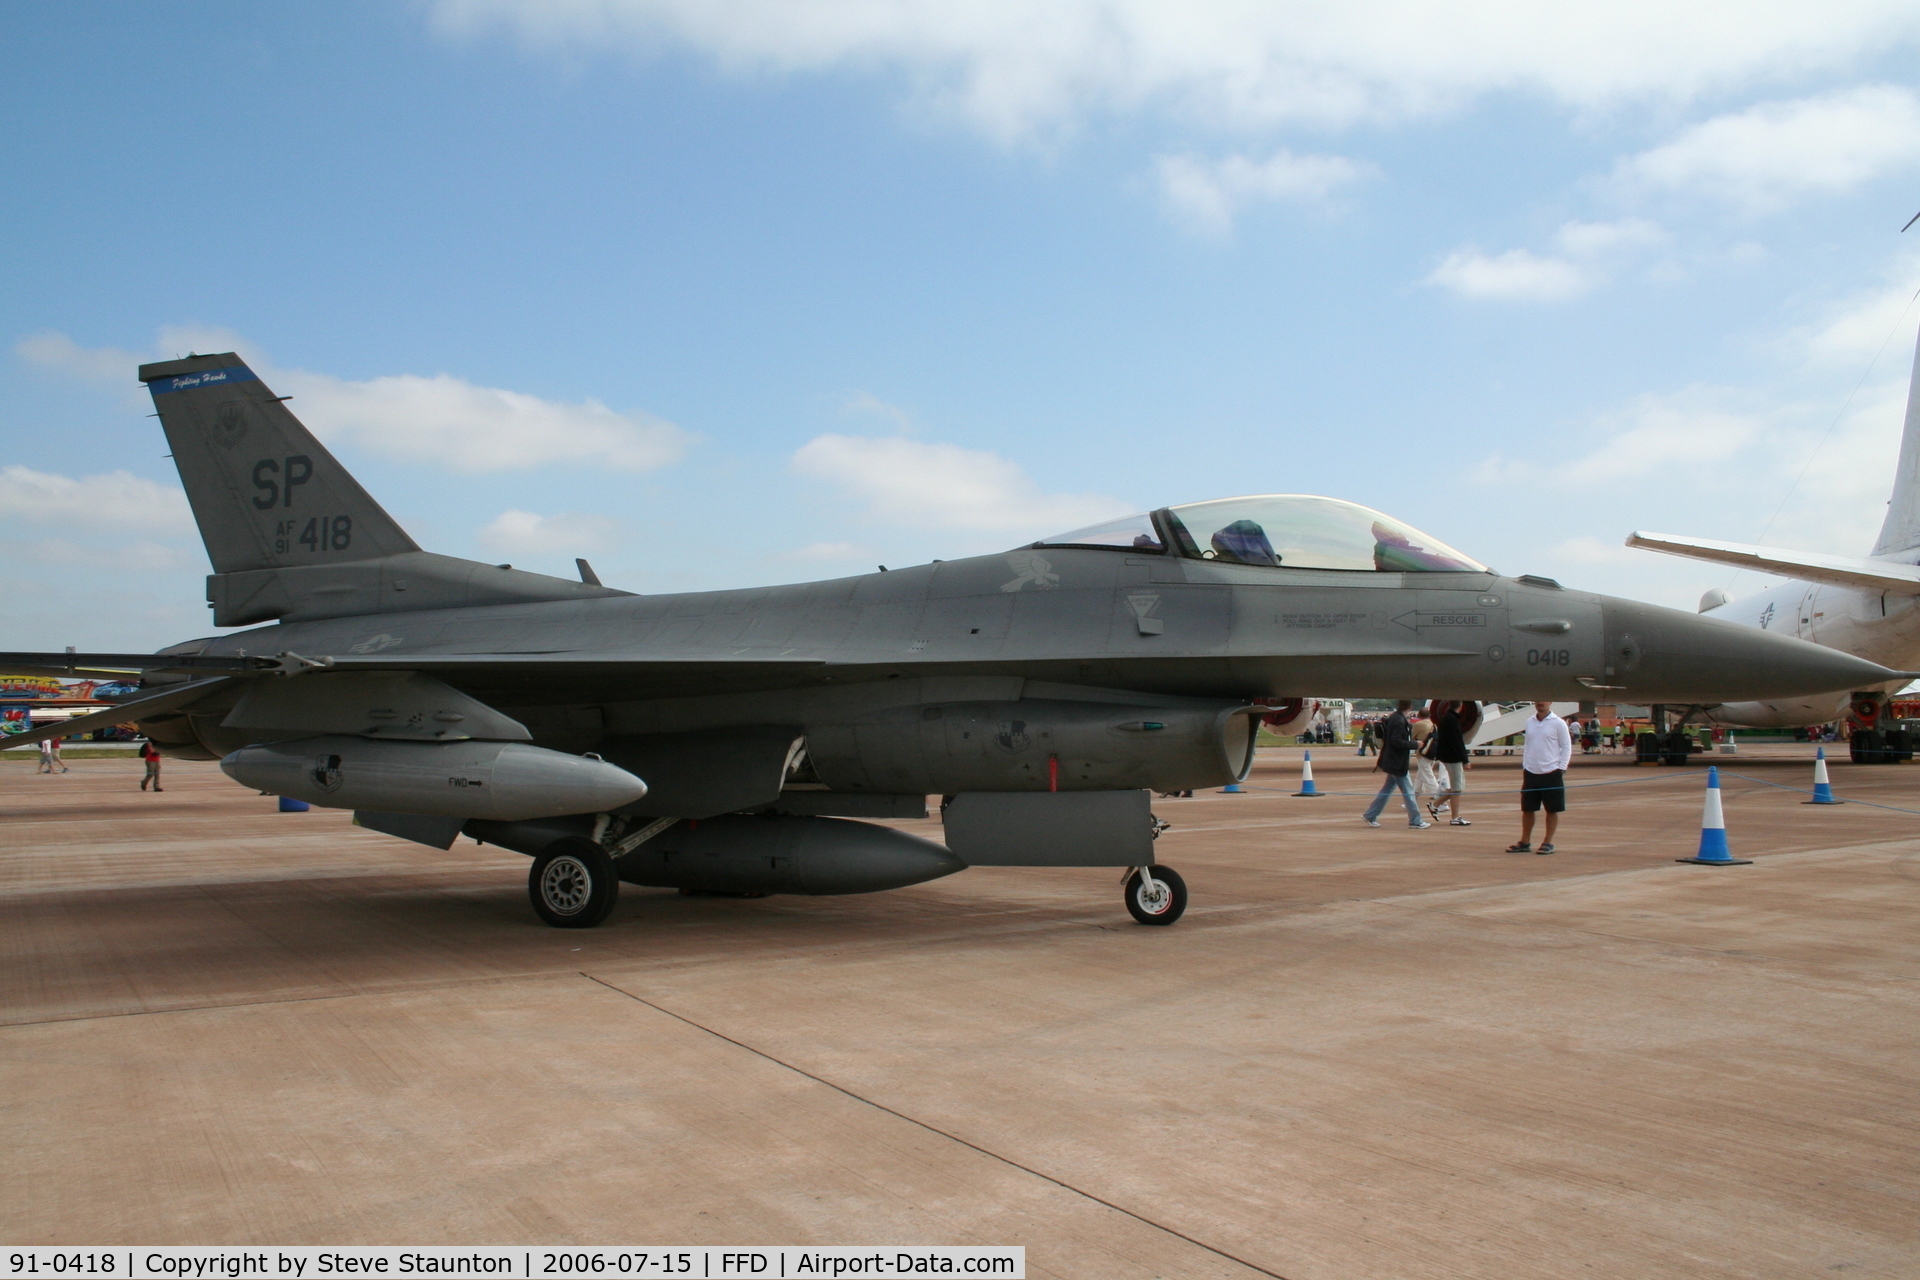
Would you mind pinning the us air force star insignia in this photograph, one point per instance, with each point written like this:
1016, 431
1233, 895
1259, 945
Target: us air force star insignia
374, 644
1032, 567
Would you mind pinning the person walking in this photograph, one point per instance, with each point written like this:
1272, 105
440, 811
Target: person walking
1543, 776
152, 760
50, 761
1449, 752
1366, 738
1396, 746
1427, 786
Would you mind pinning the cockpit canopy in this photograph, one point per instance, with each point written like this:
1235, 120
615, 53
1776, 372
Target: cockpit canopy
1291, 530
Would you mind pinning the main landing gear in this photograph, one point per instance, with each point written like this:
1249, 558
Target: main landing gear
573, 884
1156, 894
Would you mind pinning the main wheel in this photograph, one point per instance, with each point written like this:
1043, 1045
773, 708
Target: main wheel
573, 884
1159, 901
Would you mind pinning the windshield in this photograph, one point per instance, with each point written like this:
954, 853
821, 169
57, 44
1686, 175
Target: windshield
1134, 531
1300, 531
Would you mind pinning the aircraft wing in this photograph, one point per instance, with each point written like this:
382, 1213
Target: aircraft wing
175, 695
113, 665
1839, 571
121, 664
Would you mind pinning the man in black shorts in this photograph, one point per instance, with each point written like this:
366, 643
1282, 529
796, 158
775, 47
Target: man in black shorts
1543, 776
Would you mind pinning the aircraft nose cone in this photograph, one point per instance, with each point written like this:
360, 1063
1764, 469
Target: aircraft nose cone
1664, 655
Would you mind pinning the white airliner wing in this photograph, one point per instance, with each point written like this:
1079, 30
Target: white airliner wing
1840, 571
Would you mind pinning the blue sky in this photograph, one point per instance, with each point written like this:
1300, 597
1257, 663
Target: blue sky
739, 291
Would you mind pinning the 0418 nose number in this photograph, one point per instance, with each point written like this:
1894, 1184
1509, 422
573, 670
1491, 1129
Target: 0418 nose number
1549, 657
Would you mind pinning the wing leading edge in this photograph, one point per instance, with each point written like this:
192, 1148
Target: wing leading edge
1858, 572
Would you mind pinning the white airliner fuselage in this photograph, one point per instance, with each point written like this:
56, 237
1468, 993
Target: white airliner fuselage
1876, 625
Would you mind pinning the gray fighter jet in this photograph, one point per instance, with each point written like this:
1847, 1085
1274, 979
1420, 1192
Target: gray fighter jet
721, 741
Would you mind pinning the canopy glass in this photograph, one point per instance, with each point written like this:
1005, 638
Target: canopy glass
1294, 530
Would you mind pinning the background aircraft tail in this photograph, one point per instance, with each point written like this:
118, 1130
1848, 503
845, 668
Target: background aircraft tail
290, 533
1901, 532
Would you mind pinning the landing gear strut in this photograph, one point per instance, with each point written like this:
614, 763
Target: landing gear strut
573, 884
1156, 895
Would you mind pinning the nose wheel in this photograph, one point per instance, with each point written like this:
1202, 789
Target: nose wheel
1156, 895
573, 884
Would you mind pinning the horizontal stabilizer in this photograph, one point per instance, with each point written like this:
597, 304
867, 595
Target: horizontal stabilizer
1840, 571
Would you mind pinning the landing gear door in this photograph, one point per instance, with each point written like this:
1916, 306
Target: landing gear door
1051, 829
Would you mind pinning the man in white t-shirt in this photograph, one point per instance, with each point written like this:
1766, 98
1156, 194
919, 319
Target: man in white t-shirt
1543, 776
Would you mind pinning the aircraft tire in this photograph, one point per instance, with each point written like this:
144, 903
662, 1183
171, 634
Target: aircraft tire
573, 884
1168, 908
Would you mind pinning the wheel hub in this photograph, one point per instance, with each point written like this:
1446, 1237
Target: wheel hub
566, 885
1154, 896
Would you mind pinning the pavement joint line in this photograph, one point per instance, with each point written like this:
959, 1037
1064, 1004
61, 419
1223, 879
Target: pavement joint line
933, 1129
679, 961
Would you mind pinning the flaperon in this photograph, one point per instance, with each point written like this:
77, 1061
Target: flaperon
720, 741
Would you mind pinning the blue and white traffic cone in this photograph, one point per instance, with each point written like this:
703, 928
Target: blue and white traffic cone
1713, 830
1306, 778
289, 805
1822, 789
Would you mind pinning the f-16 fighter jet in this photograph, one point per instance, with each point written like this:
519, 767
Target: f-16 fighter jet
728, 741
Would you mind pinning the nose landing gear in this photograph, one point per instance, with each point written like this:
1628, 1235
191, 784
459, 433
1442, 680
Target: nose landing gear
1156, 894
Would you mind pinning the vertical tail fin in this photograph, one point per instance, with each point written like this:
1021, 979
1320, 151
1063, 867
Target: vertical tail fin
1901, 532
265, 493
290, 533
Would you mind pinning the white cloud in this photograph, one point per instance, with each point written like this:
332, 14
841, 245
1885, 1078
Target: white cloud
118, 498
1589, 550
1745, 466
516, 532
1656, 435
932, 485
58, 351
1014, 65
1866, 325
473, 428
1208, 193
867, 402
1597, 239
133, 557
440, 419
1592, 250
1769, 155
1516, 275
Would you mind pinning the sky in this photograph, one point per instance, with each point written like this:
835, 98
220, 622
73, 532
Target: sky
725, 292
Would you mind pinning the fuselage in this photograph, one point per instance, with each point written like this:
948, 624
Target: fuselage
1058, 622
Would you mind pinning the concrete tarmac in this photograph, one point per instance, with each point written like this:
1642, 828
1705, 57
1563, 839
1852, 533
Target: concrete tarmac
1361, 1054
